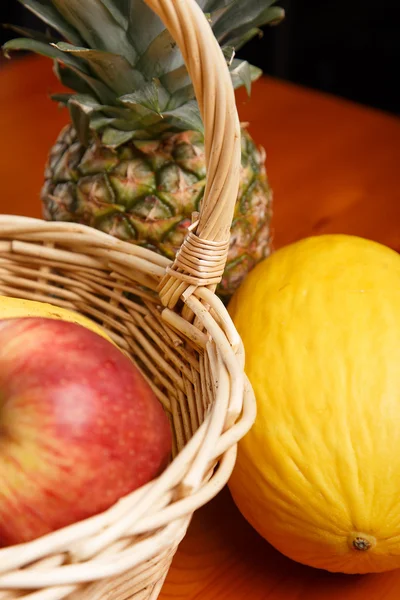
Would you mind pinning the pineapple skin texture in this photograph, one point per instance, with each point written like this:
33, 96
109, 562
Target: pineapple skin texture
145, 192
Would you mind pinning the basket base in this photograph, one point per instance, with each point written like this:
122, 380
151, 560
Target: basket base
144, 583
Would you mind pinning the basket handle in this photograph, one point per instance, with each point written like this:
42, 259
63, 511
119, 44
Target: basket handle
201, 259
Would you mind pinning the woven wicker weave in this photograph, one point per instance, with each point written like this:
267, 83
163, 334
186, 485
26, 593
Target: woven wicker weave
167, 317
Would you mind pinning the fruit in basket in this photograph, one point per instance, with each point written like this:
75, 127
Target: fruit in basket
132, 163
319, 473
79, 427
20, 307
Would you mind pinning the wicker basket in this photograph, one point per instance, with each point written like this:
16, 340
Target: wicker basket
167, 317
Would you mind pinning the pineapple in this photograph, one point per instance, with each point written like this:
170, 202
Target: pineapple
131, 163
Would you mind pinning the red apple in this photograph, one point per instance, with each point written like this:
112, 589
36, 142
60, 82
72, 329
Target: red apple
79, 427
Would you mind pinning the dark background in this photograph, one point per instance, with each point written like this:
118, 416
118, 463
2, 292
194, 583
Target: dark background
347, 48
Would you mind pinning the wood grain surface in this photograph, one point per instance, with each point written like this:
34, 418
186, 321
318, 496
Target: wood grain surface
334, 167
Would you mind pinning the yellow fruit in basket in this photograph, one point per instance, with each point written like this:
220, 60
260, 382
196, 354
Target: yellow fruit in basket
319, 473
18, 307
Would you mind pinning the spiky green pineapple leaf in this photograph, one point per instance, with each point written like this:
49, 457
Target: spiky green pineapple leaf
119, 10
183, 91
160, 57
128, 71
87, 103
97, 87
179, 85
149, 121
181, 97
276, 15
80, 118
31, 33
152, 96
70, 79
242, 73
87, 114
85, 111
62, 98
39, 47
241, 40
45, 10
110, 68
144, 25
152, 118
97, 27
185, 117
113, 137
241, 17
178, 81
202, 4
91, 105
229, 54
100, 122
211, 5
118, 112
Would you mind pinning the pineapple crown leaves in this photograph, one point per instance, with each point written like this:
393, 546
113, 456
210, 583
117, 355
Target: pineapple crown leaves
127, 74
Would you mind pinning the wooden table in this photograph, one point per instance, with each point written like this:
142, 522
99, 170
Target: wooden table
334, 167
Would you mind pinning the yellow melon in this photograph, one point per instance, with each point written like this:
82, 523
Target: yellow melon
319, 473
